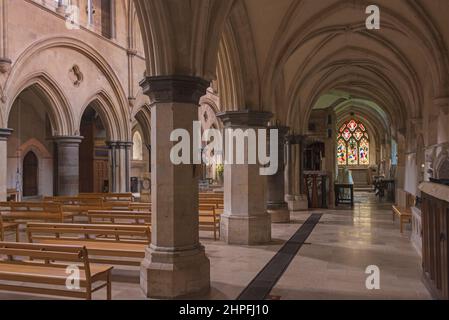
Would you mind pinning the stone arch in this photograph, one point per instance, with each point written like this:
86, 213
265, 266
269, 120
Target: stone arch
113, 122
207, 114
84, 49
198, 27
59, 108
143, 118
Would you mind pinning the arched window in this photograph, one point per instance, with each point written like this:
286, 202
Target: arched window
137, 147
353, 144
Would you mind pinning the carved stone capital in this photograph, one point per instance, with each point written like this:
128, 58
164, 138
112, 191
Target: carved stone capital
68, 139
5, 133
169, 89
5, 65
245, 118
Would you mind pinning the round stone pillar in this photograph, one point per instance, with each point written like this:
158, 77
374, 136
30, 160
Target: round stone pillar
276, 205
175, 264
4, 135
68, 164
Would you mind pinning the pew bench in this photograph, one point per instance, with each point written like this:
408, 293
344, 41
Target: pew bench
106, 243
117, 217
22, 212
110, 196
42, 269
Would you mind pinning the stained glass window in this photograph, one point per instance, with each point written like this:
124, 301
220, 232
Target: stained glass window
341, 152
353, 144
364, 152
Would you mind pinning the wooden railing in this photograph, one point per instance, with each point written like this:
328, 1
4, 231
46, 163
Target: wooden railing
435, 226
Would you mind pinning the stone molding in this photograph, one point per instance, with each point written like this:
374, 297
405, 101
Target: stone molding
5, 65
119, 144
247, 118
174, 89
68, 139
5, 134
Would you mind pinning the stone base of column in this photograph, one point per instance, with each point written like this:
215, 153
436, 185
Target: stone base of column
279, 215
297, 203
168, 274
245, 230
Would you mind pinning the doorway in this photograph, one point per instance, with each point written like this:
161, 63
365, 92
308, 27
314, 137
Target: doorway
30, 172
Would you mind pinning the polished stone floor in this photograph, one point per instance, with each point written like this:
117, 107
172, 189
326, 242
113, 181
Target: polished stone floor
331, 265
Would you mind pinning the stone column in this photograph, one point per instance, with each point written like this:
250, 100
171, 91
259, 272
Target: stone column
68, 164
175, 264
122, 167
4, 135
5, 61
289, 169
113, 146
245, 220
277, 207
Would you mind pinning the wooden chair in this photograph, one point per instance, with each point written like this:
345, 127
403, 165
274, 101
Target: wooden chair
42, 269
109, 243
404, 213
209, 220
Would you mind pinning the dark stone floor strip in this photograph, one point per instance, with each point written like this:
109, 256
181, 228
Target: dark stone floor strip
261, 286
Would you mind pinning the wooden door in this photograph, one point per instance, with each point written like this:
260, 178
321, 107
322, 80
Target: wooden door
30, 172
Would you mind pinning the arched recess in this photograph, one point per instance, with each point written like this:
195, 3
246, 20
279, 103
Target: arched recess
58, 106
116, 125
16, 77
35, 117
141, 168
142, 117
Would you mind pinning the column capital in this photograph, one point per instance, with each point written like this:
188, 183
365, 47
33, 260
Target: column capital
119, 144
5, 133
68, 139
5, 64
176, 88
246, 118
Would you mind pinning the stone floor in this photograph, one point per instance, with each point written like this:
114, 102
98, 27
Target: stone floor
330, 266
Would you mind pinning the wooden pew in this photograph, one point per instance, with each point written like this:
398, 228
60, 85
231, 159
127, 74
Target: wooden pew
211, 195
209, 220
35, 211
404, 213
110, 196
27, 265
117, 217
8, 227
140, 206
107, 242
218, 203
116, 205
78, 201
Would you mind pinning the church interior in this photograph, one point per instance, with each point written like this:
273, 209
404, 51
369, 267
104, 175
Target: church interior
93, 207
